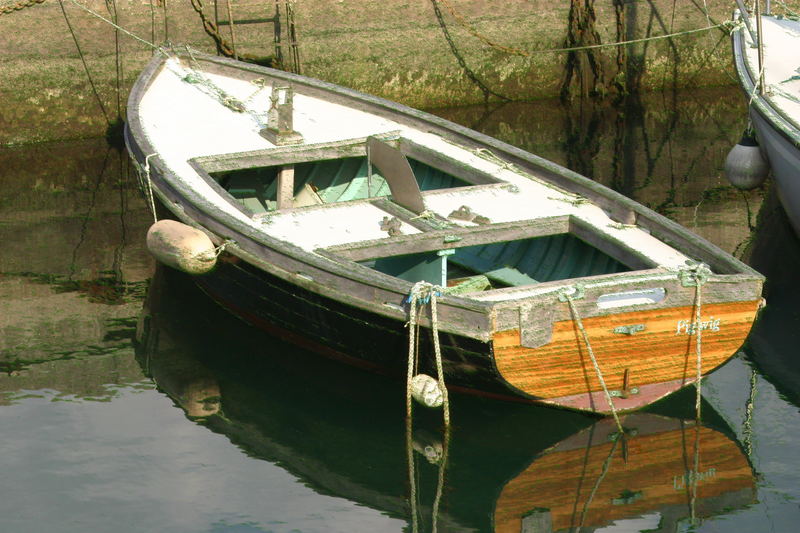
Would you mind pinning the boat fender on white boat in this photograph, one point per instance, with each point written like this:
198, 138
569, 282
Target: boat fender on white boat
745, 166
181, 247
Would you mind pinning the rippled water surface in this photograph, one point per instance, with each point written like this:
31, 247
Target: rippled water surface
129, 402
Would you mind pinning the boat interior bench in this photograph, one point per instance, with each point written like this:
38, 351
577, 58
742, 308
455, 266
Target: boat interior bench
299, 176
496, 256
391, 173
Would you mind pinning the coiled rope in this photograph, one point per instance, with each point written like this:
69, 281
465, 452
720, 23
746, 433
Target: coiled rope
567, 296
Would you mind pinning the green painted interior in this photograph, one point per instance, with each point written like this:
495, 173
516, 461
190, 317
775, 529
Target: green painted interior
429, 267
333, 180
506, 264
541, 259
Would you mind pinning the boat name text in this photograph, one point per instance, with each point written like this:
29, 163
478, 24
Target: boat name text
684, 327
680, 482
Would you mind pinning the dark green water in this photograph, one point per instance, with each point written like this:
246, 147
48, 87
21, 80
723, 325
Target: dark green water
197, 423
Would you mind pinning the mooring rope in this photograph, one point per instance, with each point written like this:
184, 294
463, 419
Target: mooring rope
696, 275
148, 191
599, 480
120, 28
230, 27
442, 467
460, 58
412, 477
756, 86
423, 293
83, 60
567, 296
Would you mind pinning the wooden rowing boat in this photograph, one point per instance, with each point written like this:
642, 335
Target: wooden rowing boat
326, 207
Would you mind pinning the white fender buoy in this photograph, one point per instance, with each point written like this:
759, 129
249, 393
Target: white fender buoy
426, 391
745, 167
181, 247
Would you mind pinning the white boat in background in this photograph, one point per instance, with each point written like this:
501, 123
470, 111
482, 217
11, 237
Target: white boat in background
323, 208
767, 57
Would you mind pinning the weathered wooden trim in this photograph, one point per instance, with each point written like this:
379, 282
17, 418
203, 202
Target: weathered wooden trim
610, 245
214, 184
443, 239
285, 190
283, 155
452, 166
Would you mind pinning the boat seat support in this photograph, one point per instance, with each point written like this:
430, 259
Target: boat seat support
285, 190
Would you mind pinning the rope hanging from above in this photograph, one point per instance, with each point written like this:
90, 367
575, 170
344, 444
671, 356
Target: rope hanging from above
422, 387
696, 275
426, 390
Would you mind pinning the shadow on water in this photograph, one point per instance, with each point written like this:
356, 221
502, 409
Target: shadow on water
772, 344
511, 467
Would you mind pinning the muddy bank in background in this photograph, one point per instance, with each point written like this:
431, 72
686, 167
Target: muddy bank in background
461, 53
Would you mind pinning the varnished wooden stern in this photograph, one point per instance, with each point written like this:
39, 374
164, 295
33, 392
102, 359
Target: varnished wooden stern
643, 354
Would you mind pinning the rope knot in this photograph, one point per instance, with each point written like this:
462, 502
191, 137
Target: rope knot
694, 274
422, 292
572, 292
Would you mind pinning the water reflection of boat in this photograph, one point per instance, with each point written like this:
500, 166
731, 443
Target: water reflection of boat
773, 342
333, 207
511, 467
